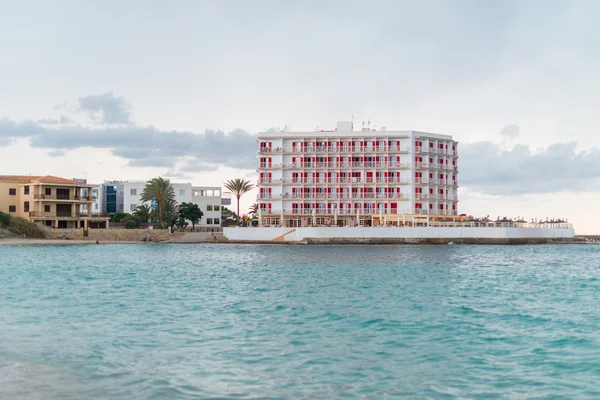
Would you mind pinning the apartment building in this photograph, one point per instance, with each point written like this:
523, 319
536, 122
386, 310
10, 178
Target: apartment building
125, 196
209, 200
50, 200
344, 177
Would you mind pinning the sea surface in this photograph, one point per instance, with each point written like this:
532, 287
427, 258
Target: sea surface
299, 322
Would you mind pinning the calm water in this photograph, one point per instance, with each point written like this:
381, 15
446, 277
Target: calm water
241, 322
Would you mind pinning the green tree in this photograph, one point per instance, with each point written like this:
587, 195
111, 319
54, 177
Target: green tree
181, 223
161, 191
191, 212
119, 216
238, 187
4, 219
143, 212
170, 215
131, 222
228, 217
254, 210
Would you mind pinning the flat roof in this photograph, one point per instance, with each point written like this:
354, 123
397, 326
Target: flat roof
351, 134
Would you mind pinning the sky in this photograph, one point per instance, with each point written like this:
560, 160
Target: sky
131, 90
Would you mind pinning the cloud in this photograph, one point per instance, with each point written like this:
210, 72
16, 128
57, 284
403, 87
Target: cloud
48, 121
56, 153
152, 162
176, 175
53, 121
106, 108
196, 165
65, 120
510, 131
145, 146
286, 128
485, 167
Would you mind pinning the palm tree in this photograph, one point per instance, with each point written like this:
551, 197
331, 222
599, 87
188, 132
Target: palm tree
161, 191
143, 212
254, 209
238, 187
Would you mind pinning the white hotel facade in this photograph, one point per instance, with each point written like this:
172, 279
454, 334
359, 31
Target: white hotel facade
347, 177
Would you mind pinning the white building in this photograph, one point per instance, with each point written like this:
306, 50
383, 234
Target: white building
340, 174
125, 196
208, 198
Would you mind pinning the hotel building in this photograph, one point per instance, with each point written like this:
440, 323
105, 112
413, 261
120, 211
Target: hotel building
51, 201
344, 177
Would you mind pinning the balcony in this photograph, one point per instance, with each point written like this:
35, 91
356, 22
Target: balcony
333, 149
349, 180
63, 197
65, 215
334, 196
340, 212
435, 212
54, 215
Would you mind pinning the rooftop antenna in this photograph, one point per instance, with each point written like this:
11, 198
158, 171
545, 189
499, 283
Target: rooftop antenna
369, 124
363, 124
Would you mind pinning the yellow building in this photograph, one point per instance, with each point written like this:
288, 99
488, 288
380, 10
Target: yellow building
49, 200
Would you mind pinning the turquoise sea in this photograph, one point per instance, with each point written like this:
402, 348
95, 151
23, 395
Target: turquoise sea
299, 322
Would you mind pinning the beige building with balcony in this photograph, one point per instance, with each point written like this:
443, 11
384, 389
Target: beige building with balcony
50, 200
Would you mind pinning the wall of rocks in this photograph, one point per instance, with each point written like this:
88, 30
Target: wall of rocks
113, 235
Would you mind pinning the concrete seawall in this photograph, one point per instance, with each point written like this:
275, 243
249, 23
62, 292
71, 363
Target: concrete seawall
407, 235
432, 241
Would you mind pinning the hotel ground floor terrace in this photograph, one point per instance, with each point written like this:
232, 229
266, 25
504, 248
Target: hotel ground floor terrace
355, 217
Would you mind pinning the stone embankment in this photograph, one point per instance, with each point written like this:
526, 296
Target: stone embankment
113, 235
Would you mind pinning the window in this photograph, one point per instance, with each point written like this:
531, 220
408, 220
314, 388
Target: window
12, 192
217, 222
48, 223
46, 208
132, 207
25, 189
208, 221
111, 199
216, 208
12, 209
209, 208
133, 192
96, 206
182, 192
26, 206
48, 191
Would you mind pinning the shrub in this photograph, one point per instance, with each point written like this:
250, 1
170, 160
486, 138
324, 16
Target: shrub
22, 227
131, 222
119, 216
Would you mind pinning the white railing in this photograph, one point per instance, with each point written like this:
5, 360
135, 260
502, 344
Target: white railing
325, 196
334, 149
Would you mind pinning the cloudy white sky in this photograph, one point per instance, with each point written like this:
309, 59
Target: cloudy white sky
131, 90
